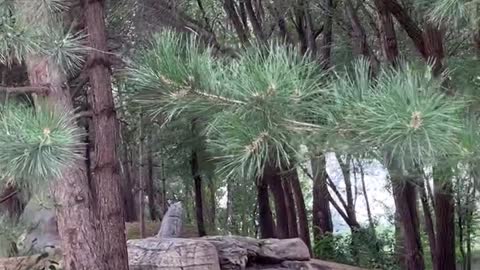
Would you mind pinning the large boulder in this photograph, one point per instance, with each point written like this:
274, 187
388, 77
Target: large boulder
172, 253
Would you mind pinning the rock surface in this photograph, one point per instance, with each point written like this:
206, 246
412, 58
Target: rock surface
172, 254
172, 222
42, 232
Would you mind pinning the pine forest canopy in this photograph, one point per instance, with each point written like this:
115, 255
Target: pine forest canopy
232, 106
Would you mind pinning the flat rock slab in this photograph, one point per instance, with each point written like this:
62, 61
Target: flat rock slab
236, 252
172, 254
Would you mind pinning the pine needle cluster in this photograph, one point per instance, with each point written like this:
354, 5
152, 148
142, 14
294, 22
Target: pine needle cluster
262, 106
36, 145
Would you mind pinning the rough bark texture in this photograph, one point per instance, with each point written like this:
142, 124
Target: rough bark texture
327, 40
267, 225
303, 230
290, 202
105, 170
77, 221
387, 32
405, 202
322, 217
444, 221
281, 211
198, 195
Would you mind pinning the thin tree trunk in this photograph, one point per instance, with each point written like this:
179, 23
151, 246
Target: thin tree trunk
322, 217
150, 187
141, 179
303, 229
127, 187
267, 225
387, 32
198, 195
367, 202
105, 164
429, 226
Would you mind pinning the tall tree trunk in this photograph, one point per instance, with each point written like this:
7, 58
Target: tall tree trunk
429, 226
444, 220
290, 202
198, 195
105, 168
303, 229
76, 217
213, 203
127, 185
322, 217
141, 178
267, 225
281, 210
405, 202
150, 187
327, 40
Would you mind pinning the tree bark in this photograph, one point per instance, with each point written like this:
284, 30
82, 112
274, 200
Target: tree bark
150, 188
303, 229
405, 202
290, 202
327, 40
322, 217
281, 210
105, 164
198, 195
267, 225
444, 220
429, 226
387, 32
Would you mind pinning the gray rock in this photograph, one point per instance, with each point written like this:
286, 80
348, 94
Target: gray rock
41, 225
284, 250
172, 254
172, 222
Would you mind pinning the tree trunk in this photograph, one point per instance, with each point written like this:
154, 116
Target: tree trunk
327, 40
150, 188
322, 217
429, 226
198, 195
405, 202
444, 220
387, 32
141, 178
105, 164
290, 202
267, 225
281, 210
126, 184
77, 222
303, 229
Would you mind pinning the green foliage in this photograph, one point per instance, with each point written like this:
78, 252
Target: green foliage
403, 112
362, 249
36, 146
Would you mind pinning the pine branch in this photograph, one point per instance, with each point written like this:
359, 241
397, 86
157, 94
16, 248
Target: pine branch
40, 90
8, 197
